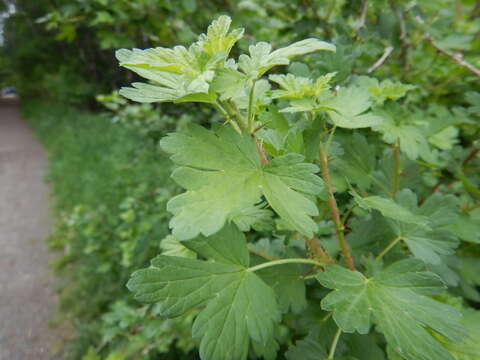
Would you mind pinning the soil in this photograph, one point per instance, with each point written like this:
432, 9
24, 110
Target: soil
27, 296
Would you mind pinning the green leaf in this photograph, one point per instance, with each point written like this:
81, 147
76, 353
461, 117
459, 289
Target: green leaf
289, 286
253, 217
350, 107
397, 300
309, 348
385, 90
267, 351
469, 348
390, 209
226, 246
466, 228
223, 175
357, 163
229, 83
278, 136
262, 58
237, 304
410, 136
428, 243
467, 268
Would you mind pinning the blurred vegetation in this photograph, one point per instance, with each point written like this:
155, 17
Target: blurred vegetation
109, 178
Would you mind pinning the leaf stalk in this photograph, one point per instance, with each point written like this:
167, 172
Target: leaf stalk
331, 354
388, 248
250, 114
397, 168
284, 261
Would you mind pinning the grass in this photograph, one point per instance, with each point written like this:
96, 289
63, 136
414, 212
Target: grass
110, 185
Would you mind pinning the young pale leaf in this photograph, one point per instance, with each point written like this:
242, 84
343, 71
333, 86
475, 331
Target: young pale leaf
294, 87
176, 73
223, 175
218, 39
262, 58
180, 74
172, 247
239, 306
397, 300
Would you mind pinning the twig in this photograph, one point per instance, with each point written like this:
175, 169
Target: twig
399, 12
471, 155
456, 57
386, 54
316, 249
332, 203
363, 15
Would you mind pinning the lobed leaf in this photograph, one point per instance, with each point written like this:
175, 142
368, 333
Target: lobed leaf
222, 173
238, 306
396, 299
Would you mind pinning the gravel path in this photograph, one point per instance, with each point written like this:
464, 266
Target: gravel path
27, 302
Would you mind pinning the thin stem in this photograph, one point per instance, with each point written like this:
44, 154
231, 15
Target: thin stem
261, 151
363, 16
316, 250
331, 354
397, 169
233, 109
471, 155
348, 212
284, 261
330, 138
456, 57
379, 62
330, 10
388, 248
332, 203
326, 317
250, 115
228, 118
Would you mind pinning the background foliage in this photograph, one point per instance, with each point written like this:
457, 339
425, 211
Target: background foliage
111, 180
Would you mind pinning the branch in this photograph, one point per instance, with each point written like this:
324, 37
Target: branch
363, 16
386, 54
456, 57
470, 156
315, 248
332, 203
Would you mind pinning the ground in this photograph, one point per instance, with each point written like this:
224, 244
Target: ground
27, 300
